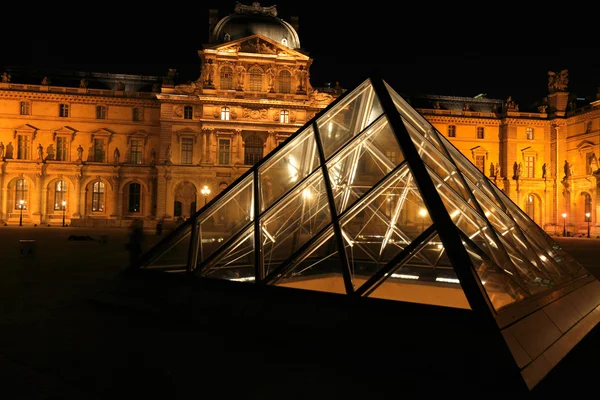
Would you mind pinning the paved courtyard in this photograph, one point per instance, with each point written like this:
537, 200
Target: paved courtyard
50, 331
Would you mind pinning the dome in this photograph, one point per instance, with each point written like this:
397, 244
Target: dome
255, 19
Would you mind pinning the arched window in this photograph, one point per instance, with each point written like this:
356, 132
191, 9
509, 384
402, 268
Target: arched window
225, 113
254, 150
588, 208
530, 206
134, 197
21, 194
285, 81
256, 79
60, 194
98, 196
226, 78
284, 116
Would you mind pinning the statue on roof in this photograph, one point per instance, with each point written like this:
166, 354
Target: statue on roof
557, 82
255, 8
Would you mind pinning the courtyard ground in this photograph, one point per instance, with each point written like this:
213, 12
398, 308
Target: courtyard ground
56, 343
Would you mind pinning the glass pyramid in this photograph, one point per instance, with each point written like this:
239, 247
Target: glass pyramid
368, 199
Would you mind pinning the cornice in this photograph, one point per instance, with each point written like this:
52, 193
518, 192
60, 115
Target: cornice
462, 120
209, 124
526, 122
194, 100
81, 99
593, 113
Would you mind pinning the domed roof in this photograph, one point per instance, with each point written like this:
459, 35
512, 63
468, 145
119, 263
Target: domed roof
252, 20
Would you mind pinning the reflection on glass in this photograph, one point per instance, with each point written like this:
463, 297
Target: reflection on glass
349, 117
236, 261
288, 166
227, 217
175, 253
294, 220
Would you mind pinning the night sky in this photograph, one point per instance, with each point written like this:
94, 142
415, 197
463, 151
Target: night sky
461, 49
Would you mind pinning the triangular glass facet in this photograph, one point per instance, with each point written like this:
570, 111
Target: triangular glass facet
174, 254
236, 261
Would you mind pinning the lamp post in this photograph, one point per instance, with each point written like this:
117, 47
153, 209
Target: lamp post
205, 192
64, 207
587, 216
422, 213
21, 202
564, 215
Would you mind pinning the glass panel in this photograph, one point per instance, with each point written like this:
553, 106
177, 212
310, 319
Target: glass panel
288, 166
319, 268
427, 277
227, 217
347, 118
363, 163
175, 253
383, 224
293, 221
236, 262
437, 162
499, 286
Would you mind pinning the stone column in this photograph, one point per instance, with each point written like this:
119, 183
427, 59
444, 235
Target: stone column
3, 195
205, 133
164, 203
35, 212
209, 150
115, 204
240, 147
76, 197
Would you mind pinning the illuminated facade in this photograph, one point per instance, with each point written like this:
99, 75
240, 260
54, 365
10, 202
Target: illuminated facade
369, 199
60, 134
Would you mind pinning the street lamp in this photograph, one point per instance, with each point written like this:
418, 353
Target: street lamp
422, 213
64, 206
205, 191
21, 202
564, 215
587, 216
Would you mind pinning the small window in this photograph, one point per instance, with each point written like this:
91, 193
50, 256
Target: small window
99, 150
480, 163
23, 147
225, 113
188, 112
284, 116
480, 133
529, 166
136, 151
62, 148
226, 78
63, 110
187, 150
100, 112
451, 130
224, 151
391, 155
529, 133
285, 81
25, 108
138, 114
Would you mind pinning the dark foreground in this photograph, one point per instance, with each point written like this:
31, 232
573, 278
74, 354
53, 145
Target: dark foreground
73, 326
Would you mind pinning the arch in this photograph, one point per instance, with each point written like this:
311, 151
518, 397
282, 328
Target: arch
126, 182
87, 182
184, 199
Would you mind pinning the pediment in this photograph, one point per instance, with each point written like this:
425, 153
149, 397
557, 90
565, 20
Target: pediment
258, 44
585, 144
102, 132
187, 132
138, 134
64, 131
25, 129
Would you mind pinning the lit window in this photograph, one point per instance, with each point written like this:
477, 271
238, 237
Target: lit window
60, 194
98, 196
529, 166
21, 189
225, 113
588, 208
530, 206
284, 116
529, 133
391, 155
188, 112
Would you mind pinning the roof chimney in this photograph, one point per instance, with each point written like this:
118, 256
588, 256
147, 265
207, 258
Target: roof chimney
213, 18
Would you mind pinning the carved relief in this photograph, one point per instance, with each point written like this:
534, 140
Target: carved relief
320, 97
255, 113
255, 8
178, 111
257, 45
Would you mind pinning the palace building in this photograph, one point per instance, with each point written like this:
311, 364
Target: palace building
104, 149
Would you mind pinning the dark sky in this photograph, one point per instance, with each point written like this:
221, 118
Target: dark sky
463, 48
